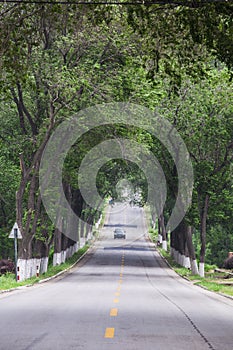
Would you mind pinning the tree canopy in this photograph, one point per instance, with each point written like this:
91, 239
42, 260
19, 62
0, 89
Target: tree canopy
174, 57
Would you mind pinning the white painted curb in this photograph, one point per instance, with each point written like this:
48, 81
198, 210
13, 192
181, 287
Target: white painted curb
49, 278
197, 285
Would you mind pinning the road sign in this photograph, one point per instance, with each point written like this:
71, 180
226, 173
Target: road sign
12, 234
15, 233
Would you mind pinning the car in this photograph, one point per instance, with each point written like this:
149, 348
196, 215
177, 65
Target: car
119, 233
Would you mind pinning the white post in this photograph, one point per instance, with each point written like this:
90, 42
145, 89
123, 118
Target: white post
182, 260
194, 267
164, 245
18, 273
187, 262
172, 252
44, 264
37, 270
202, 269
175, 253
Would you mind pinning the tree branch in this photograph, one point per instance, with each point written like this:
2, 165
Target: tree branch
25, 110
20, 111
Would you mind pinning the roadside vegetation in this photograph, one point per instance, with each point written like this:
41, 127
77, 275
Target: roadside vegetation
57, 59
216, 280
8, 280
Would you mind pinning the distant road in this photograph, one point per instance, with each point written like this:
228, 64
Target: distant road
122, 296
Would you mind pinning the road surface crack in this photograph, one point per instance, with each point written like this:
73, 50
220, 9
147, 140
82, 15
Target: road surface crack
179, 308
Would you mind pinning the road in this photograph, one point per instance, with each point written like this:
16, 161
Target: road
121, 296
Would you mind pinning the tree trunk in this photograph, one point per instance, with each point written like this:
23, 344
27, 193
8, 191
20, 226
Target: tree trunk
163, 232
57, 259
181, 242
191, 251
160, 238
203, 219
178, 243
29, 176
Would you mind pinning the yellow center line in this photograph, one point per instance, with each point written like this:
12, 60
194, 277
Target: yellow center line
114, 312
109, 333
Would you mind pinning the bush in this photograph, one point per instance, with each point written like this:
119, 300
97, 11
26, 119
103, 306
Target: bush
228, 263
209, 268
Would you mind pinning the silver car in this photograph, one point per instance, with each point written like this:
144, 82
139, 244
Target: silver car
119, 233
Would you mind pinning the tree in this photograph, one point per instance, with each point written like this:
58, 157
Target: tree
63, 60
57, 60
205, 119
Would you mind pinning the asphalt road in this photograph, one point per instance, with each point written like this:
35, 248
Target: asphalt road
121, 296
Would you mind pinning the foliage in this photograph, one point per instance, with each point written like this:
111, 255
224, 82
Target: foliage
9, 181
8, 281
56, 60
220, 242
209, 282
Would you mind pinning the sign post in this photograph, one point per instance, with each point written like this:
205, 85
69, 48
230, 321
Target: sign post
16, 251
16, 234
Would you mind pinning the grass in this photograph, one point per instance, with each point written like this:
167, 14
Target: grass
216, 287
182, 271
8, 281
153, 233
212, 281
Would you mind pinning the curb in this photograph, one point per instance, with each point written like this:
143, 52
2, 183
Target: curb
48, 278
219, 293
68, 268
186, 278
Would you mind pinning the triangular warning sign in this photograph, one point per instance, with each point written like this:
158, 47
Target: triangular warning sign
12, 234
